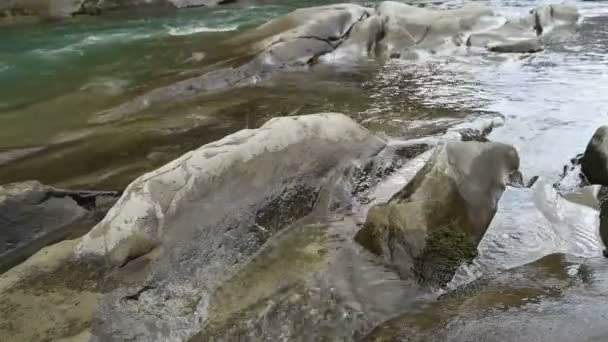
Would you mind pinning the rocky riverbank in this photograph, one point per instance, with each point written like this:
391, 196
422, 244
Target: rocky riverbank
312, 227
260, 215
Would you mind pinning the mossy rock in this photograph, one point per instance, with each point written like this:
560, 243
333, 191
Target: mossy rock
447, 247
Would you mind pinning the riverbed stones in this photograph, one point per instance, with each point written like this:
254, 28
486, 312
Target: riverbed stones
437, 220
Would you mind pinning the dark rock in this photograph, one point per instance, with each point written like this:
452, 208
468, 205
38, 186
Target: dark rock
525, 46
594, 163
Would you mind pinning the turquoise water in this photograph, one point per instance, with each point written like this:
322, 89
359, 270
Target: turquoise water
41, 61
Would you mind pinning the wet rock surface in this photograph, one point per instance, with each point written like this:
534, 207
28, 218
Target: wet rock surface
183, 255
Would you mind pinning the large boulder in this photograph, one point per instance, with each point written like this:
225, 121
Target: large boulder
33, 215
149, 269
153, 207
186, 226
437, 220
594, 163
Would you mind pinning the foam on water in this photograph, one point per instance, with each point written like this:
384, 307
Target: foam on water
90, 41
193, 29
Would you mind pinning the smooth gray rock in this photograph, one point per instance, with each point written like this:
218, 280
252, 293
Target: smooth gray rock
414, 27
189, 224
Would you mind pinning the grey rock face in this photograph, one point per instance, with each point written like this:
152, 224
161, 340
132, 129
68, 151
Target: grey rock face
201, 216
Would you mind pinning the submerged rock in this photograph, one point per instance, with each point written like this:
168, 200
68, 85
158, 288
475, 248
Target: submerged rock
435, 222
33, 215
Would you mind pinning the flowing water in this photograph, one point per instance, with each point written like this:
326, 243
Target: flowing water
57, 79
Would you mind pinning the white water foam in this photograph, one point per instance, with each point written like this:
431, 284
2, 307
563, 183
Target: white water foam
5, 67
91, 41
193, 29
